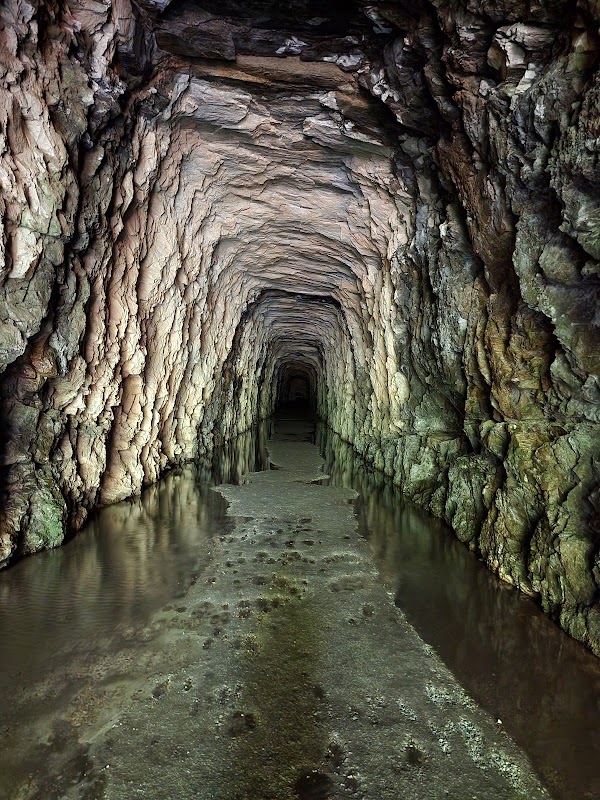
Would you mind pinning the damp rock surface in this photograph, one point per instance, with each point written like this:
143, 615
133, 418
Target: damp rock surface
208, 208
287, 672
263, 650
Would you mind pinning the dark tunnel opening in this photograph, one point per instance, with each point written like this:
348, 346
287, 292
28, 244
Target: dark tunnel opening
296, 391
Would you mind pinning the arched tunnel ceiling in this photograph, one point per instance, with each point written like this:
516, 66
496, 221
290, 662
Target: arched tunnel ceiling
277, 193
397, 199
272, 202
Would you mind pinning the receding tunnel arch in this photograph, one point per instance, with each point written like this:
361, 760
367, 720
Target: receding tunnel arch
458, 338
295, 387
283, 333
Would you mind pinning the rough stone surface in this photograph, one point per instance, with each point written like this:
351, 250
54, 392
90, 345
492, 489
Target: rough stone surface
396, 207
282, 669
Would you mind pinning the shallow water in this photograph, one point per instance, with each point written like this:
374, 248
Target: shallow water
510, 657
83, 631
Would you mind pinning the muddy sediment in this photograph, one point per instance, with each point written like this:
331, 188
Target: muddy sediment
282, 669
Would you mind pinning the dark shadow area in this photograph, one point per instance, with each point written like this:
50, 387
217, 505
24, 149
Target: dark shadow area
294, 421
299, 409
296, 393
337, 18
297, 389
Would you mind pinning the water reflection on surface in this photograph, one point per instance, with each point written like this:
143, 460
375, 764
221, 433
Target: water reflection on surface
131, 559
136, 557
512, 659
235, 459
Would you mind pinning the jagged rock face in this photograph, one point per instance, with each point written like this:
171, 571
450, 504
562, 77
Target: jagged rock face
390, 208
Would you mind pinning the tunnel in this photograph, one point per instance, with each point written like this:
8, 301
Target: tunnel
297, 388
377, 220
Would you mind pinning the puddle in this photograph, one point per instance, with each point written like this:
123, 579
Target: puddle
542, 685
176, 648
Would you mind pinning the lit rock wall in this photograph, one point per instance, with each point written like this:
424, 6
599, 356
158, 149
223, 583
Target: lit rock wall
213, 226
499, 287
399, 204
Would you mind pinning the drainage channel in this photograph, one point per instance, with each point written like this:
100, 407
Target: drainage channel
540, 685
182, 649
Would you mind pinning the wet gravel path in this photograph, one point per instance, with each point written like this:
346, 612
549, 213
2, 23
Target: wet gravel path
284, 671
287, 672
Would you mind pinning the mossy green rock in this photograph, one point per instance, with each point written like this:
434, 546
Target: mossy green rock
45, 523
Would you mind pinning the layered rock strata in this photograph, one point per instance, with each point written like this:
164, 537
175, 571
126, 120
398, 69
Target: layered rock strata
389, 208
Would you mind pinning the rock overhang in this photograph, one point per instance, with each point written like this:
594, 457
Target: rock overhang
295, 201
394, 200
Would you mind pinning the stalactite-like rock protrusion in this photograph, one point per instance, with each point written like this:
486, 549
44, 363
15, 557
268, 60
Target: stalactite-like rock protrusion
397, 203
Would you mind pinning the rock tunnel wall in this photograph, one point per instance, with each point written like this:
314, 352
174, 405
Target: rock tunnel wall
400, 203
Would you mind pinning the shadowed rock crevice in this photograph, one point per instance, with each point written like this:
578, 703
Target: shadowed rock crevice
394, 205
